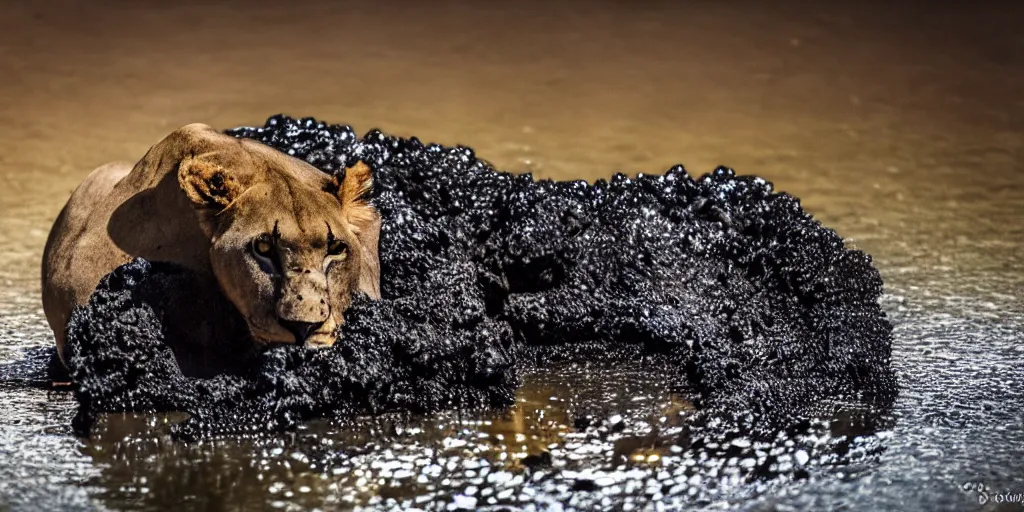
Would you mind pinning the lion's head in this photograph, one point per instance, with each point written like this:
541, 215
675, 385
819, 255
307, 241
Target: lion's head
289, 245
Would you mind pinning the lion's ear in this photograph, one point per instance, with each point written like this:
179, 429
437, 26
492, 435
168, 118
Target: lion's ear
358, 182
207, 184
351, 192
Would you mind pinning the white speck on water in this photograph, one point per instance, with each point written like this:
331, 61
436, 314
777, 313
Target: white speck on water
801, 457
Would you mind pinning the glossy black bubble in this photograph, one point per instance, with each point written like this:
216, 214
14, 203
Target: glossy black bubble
762, 313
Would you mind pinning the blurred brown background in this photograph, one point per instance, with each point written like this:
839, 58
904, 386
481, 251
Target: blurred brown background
903, 118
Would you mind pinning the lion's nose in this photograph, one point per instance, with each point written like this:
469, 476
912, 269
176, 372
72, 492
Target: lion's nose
300, 329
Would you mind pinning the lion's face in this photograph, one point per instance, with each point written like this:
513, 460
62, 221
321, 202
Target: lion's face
289, 245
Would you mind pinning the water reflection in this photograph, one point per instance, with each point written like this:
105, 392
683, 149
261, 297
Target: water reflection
395, 458
569, 438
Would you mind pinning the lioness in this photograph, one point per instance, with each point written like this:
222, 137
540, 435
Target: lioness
286, 244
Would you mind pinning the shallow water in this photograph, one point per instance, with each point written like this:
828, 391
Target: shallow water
899, 127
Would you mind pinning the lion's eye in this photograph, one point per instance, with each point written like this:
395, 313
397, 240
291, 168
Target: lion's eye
262, 246
337, 248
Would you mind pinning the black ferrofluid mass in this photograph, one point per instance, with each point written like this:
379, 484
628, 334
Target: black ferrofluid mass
762, 313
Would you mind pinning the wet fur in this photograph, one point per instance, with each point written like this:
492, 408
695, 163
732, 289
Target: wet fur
197, 199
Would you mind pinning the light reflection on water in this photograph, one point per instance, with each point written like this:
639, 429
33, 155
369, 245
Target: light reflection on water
617, 438
407, 459
876, 127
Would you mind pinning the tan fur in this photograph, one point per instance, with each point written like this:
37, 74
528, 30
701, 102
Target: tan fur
198, 199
